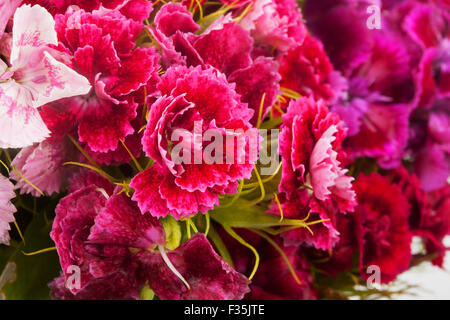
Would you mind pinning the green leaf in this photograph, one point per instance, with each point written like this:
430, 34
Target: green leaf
242, 215
33, 273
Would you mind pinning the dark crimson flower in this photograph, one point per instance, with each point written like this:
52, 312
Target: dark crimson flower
225, 45
383, 234
43, 165
340, 258
412, 190
208, 275
98, 264
274, 280
310, 145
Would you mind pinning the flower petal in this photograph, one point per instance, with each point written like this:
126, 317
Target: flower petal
34, 27
20, 123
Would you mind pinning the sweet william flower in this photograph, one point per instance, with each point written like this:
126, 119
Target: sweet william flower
434, 224
310, 140
209, 277
382, 227
307, 70
310, 148
275, 25
116, 247
6, 208
43, 165
33, 78
194, 100
134, 9
224, 45
104, 50
274, 281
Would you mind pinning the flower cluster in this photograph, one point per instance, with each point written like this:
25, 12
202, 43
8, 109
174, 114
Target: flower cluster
140, 130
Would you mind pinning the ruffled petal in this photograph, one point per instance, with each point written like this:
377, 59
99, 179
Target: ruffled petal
33, 28
20, 123
6, 208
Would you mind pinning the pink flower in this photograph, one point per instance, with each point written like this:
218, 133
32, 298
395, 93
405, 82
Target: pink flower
306, 69
103, 47
34, 78
6, 208
43, 165
101, 264
275, 24
193, 101
310, 148
429, 143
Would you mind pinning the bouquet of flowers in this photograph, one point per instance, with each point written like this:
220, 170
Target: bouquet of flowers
226, 149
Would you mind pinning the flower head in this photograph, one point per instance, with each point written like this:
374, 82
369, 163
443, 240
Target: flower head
35, 77
383, 232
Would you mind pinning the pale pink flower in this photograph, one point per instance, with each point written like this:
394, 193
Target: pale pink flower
33, 79
6, 208
43, 165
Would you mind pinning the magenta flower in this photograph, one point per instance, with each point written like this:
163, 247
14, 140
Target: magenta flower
118, 249
33, 78
274, 281
6, 208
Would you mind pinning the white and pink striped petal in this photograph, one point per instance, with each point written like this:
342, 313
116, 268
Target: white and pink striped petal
20, 123
33, 28
6, 208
